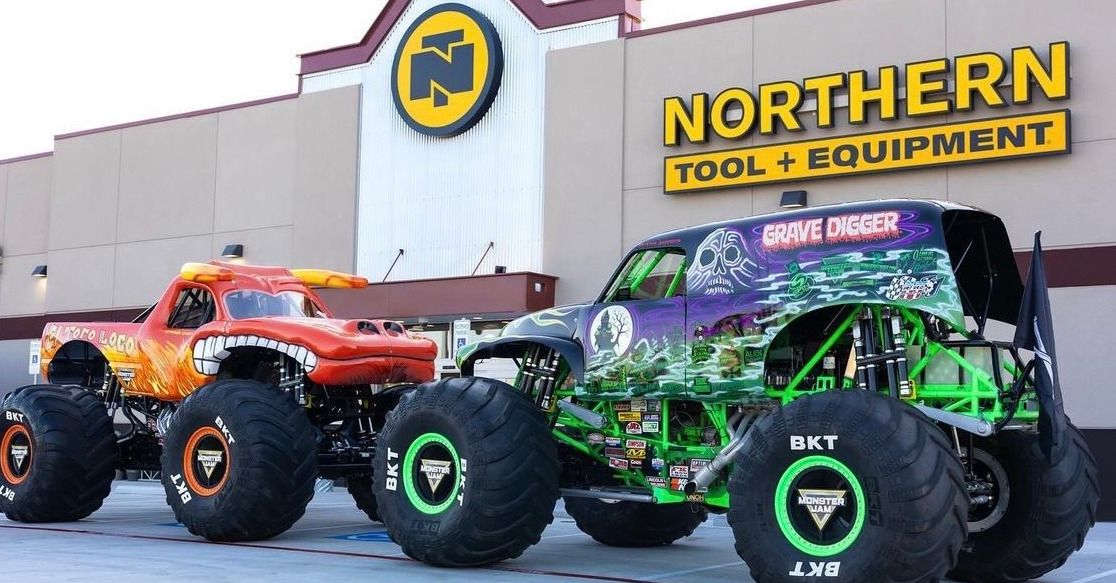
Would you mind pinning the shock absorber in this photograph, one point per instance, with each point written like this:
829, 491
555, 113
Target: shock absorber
858, 346
900, 347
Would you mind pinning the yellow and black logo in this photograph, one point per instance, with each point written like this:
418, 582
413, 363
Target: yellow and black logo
447, 70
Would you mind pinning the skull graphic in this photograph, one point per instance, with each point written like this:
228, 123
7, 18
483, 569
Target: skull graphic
723, 264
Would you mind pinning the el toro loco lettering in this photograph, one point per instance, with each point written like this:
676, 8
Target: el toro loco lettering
927, 88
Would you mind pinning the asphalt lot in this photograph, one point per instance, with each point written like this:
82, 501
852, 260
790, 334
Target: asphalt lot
134, 537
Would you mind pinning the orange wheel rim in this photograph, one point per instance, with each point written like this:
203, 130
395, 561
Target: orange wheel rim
15, 454
206, 461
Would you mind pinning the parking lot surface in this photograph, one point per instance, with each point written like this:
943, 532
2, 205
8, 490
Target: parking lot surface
134, 537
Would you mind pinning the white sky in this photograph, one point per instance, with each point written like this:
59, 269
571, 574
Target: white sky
72, 65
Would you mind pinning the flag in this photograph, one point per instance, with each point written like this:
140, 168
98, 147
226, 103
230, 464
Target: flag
1034, 331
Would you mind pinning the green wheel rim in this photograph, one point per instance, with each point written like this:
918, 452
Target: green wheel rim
428, 504
782, 504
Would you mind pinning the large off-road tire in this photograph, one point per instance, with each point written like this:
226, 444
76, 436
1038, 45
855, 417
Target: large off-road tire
239, 461
848, 486
635, 524
57, 454
360, 488
1049, 509
466, 473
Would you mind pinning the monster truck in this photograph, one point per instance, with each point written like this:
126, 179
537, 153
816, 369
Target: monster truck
820, 375
238, 385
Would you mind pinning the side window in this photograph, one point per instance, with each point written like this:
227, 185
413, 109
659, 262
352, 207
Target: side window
651, 274
193, 308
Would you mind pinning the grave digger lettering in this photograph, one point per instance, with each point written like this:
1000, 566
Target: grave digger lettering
927, 88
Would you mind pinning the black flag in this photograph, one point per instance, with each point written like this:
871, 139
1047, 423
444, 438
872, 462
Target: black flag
1034, 330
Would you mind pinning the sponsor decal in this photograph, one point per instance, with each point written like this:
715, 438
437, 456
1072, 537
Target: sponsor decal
391, 481
614, 452
679, 471
461, 484
180, 488
435, 471
625, 417
821, 504
812, 442
613, 441
935, 87
657, 481
639, 404
636, 454
126, 374
633, 428
697, 464
812, 569
447, 70
657, 463
696, 497
654, 406
19, 453
620, 464
13, 416
225, 430
209, 458
8, 493
910, 288
622, 406
678, 483
650, 417
635, 443
650, 426
595, 438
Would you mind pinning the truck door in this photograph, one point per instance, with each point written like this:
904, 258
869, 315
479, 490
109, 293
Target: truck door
634, 337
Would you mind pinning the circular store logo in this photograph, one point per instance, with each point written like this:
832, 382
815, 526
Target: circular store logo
447, 70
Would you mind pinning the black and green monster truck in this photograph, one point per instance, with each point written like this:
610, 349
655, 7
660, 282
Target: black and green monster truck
821, 375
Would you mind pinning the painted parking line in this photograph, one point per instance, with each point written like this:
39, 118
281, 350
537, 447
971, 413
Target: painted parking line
670, 574
1096, 577
272, 547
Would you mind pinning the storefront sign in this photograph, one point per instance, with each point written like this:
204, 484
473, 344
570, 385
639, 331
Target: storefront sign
447, 70
987, 139
929, 88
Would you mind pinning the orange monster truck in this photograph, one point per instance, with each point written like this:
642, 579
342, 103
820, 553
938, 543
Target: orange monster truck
238, 385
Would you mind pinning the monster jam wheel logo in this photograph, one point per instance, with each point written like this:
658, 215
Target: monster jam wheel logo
447, 70
435, 471
611, 330
19, 454
209, 459
821, 504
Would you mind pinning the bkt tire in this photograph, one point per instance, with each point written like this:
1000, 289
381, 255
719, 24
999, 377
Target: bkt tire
635, 524
360, 488
848, 486
57, 454
1048, 511
239, 461
466, 473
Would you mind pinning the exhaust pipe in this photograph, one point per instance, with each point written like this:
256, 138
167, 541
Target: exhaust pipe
713, 469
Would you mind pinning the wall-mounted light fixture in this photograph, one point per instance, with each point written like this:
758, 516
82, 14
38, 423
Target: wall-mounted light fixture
501, 269
234, 251
39, 271
793, 199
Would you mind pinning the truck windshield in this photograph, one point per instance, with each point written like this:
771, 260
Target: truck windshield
243, 304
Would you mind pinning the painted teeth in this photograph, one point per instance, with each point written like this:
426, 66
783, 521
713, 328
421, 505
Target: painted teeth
210, 352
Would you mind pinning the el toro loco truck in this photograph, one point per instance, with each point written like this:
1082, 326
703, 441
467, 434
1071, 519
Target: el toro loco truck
238, 385
821, 375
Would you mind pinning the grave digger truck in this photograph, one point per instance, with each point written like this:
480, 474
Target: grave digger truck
821, 375
238, 385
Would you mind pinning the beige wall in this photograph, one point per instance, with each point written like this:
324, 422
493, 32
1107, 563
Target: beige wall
115, 213
1069, 197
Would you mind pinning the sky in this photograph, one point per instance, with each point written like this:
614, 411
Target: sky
72, 65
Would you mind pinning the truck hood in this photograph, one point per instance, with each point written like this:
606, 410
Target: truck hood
560, 322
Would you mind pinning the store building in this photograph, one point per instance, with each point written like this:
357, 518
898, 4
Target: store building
534, 143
